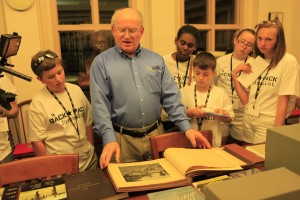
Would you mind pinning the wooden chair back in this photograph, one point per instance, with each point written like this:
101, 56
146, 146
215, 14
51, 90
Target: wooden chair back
19, 126
40, 167
161, 142
293, 118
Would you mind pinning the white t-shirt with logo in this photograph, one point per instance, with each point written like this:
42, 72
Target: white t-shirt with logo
217, 99
48, 121
281, 80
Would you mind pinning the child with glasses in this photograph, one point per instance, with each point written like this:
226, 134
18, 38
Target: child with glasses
272, 97
202, 97
60, 118
243, 46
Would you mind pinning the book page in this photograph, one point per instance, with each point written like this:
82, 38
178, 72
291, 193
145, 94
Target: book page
231, 157
243, 173
137, 176
1, 192
187, 160
258, 149
258, 67
50, 189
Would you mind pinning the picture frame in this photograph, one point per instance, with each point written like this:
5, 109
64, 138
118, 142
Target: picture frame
273, 15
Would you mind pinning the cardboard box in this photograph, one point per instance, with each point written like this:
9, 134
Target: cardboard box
276, 184
283, 148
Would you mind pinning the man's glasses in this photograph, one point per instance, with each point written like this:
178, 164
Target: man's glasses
41, 59
131, 31
247, 44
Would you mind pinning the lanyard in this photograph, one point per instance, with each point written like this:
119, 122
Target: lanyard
68, 112
231, 82
186, 72
260, 81
199, 120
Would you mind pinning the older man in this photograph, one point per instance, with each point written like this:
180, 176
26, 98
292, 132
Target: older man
129, 84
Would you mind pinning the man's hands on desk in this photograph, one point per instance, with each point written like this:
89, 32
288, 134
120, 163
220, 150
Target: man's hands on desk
107, 152
195, 137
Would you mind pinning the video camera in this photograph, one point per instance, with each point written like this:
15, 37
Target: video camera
9, 46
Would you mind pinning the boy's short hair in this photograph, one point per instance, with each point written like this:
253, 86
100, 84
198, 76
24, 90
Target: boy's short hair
44, 61
205, 60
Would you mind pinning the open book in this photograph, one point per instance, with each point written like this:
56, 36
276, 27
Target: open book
177, 168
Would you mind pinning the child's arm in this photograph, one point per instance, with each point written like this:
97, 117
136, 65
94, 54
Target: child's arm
240, 90
195, 112
39, 148
282, 104
226, 118
90, 134
13, 112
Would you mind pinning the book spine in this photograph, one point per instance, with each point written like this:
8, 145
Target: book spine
243, 154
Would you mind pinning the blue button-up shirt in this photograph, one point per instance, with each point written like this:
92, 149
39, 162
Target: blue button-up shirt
130, 92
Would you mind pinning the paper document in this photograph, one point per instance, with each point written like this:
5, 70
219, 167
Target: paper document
258, 67
215, 114
211, 113
3, 124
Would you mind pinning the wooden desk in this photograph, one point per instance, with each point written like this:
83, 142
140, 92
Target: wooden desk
240, 152
252, 160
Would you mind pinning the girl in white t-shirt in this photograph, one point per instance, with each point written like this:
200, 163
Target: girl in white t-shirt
243, 47
271, 98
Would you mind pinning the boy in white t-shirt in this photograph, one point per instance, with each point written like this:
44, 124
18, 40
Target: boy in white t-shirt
202, 97
60, 118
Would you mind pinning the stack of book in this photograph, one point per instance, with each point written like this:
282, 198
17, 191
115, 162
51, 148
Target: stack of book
279, 183
51, 189
201, 185
185, 192
177, 169
9, 193
91, 184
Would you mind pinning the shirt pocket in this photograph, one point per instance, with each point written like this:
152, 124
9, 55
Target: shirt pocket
154, 79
